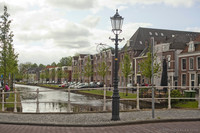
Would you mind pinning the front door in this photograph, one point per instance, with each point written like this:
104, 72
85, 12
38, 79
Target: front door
198, 80
192, 81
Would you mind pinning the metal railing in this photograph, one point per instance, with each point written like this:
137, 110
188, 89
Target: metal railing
138, 98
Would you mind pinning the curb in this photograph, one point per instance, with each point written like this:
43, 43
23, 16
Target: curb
103, 124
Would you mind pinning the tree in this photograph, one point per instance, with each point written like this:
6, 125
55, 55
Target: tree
76, 73
46, 74
41, 66
8, 59
66, 61
53, 64
59, 74
42, 76
102, 69
126, 69
164, 78
88, 69
12, 64
146, 67
65, 75
53, 74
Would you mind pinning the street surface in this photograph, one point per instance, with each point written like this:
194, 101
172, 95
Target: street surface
169, 127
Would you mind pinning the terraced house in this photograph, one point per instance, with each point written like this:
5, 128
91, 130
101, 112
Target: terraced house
189, 68
168, 44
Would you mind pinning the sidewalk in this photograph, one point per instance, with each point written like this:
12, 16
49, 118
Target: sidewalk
99, 119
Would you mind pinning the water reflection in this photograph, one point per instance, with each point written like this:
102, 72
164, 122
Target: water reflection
57, 101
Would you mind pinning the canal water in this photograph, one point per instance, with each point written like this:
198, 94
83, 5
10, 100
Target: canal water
57, 101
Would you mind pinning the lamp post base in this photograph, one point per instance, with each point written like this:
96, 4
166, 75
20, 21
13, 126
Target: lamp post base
115, 108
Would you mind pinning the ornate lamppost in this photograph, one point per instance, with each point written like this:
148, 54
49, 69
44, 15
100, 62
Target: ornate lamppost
116, 22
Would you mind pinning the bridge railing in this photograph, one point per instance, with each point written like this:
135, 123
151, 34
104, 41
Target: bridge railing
143, 93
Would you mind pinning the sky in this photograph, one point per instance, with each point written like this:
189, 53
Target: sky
47, 30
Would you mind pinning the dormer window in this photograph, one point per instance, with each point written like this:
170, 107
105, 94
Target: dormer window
191, 47
150, 33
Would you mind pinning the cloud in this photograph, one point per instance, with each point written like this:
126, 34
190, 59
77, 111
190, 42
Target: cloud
72, 4
195, 29
113, 4
91, 21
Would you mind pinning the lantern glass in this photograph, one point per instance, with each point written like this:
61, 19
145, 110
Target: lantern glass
116, 22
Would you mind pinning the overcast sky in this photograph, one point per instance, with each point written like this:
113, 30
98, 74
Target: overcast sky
47, 30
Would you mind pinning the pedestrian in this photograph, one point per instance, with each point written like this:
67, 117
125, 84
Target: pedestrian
7, 89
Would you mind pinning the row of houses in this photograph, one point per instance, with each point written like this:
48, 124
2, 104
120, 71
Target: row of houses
181, 49
49, 74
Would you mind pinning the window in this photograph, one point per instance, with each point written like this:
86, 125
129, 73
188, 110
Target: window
191, 47
168, 60
156, 33
183, 79
191, 63
150, 33
162, 34
183, 64
198, 62
140, 42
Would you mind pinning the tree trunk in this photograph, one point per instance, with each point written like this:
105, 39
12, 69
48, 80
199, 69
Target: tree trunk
11, 86
126, 86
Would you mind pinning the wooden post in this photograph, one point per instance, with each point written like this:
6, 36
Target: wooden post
37, 108
15, 103
68, 104
2, 100
104, 98
138, 98
169, 97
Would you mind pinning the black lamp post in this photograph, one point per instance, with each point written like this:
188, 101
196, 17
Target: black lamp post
116, 22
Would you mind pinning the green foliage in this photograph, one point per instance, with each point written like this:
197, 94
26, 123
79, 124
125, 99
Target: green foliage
65, 61
146, 67
102, 69
109, 93
53, 64
186, 104
46, 74
53, 74
88, 69
76, 73
175, 94
8, 58
126, 68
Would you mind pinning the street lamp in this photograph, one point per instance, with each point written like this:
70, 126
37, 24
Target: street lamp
116, 22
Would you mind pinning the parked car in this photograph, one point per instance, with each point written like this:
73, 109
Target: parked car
63, 85
131, 87
100, 84
94, 85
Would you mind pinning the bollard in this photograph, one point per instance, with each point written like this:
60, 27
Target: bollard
15, 103
138, 98
169, 98
37, 108
68, 104
199, 97
104, 98
2, 100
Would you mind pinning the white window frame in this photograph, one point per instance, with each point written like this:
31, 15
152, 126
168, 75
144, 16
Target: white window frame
197, 62
182, 79
191, 47
190, 80
189, 63
182, 64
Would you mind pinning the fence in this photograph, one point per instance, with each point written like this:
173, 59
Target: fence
141, 95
